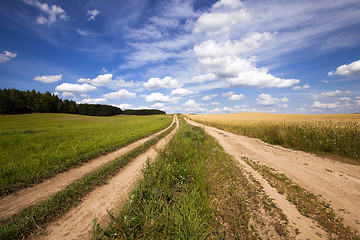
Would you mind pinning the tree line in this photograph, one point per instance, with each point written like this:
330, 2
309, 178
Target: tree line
13, 101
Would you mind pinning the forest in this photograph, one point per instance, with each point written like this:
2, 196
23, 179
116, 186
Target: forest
13, 101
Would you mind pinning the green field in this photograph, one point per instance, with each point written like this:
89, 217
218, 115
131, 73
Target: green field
37, 146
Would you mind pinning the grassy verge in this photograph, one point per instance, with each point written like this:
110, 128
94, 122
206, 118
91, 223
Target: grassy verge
38, 146
306, 202
193, 191
337, 136
36, 217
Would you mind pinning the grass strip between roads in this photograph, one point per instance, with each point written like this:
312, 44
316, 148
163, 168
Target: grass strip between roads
37, 216
306, 202
194, 190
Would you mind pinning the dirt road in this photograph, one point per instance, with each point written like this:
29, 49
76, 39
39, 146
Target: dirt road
78, 221
337, 183
24, 198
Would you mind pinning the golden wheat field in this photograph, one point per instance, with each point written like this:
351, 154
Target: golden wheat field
330, 134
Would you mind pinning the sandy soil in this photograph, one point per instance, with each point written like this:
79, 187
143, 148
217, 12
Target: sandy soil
24, 198
337, 183
78, 221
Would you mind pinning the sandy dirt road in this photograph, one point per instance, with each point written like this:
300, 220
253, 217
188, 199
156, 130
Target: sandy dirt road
77, 223
337, 183
24, 198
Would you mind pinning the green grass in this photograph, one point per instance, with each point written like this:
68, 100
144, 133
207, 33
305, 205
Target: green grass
37, 146
38, 216
306, 202
192, 191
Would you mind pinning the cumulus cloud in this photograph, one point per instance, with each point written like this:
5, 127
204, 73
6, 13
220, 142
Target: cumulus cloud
204, 78
181, 92
167, 82
345, 99
158, 105
126, 84
122, 94
48, 78
350, 70
233, 97
6, 56
68, 95
159, 97
318, 104
250, 42
209, 97
241, 72
123, 106
92, 14
100, 80
335, 93
268, 100
69, 87
51, 12
222, 17
94, 100
306, 86
192, 106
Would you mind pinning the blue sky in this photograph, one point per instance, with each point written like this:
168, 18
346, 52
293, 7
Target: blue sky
186, 56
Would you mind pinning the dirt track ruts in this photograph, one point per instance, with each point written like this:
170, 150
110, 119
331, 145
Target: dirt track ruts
337, 183
24, 198
78, 221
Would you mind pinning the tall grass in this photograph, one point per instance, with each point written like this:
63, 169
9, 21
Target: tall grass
37, 146
193, 191
335, 135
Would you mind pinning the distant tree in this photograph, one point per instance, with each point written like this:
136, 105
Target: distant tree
143, 112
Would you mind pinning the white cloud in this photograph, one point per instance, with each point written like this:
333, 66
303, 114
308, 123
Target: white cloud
345, 99
126, 84
192, 103
215, 103
268, 100
48, 78
250, 42
122, 94
229, 3
94, 100
181, 92
318, 104
100, 80
241, 72
233, 97
68, 95
159, 97
6, 56
52, 12
350, 70
92, 14
306, 86
123, 106
204, 78
335, 93
235, 109
221, 19
69, 87
158, 105
167, 82
191, 106
209, 97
